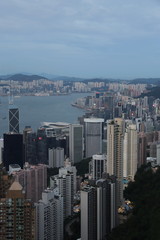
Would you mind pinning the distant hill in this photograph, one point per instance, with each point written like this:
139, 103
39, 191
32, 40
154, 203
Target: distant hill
155, 81
30, 77
3, 77
154, 92
68, 79
58, 77
22, 77
106, 80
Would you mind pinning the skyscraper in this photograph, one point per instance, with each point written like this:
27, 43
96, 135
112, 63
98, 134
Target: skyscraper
75, 143
70, 169
106, 206
13, 150
17, 215
93, 134
65, 185
49, 216
98, 165
56, 157
13, 119
42, 146
115, 134
98, 209
130, 155
142, 148
30, 147
158, 153
1, 150
89, 213
33, 180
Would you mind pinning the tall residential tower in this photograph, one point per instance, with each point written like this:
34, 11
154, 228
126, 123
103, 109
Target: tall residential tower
115, 135
17, 215
75, 143
130, 155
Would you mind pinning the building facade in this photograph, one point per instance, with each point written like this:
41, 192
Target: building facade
56, 157
17, 215
5, 182
98, 209
98, 165
49, 216
33, 179
89, 213
75, 143
65, 185
115, 135
13, 119
93, 135
130, 154
13, 150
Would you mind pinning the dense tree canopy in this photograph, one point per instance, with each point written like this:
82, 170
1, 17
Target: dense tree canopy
144, 192
83, 166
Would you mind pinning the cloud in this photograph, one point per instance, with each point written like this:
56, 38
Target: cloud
79, 28
113, 18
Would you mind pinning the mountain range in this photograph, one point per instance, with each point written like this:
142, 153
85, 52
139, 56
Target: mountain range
30, 77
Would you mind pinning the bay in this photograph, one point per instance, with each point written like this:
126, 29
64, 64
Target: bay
33, 110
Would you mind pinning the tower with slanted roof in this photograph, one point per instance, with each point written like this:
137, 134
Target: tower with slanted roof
17, 215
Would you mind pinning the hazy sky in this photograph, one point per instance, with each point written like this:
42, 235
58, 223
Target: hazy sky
83, 38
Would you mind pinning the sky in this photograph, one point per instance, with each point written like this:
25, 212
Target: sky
81, 38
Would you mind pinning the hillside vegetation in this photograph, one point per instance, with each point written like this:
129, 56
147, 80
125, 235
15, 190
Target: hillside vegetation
144, 224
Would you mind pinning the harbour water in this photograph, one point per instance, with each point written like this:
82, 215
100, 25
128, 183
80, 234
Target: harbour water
34, 110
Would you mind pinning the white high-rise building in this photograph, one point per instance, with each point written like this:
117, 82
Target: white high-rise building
49, 216
130, 155
98, 165
158, 153
56, 157
65, 185
93, 134
71, 169
75, 143
115, 135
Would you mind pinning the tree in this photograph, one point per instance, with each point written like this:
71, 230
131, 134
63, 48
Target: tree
144, 192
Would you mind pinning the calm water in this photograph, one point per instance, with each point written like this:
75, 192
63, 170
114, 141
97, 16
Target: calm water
34, 110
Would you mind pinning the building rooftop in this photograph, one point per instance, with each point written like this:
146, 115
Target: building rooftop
55, 124
87, 188
15, 186
95, 120
14, 166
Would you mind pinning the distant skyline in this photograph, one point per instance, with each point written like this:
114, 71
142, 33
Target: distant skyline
86, 38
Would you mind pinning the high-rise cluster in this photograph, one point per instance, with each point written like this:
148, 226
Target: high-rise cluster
119, 136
